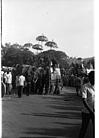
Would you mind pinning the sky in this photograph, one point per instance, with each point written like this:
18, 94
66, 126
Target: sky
67, 22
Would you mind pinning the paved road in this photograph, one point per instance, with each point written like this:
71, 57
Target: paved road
42, 116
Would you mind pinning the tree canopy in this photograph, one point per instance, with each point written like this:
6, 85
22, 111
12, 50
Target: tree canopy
17, 54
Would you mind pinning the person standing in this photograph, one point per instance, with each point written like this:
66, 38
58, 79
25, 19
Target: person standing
9, 82
3, 87
78, 85
88, 96
47, 80
5, 81
28, 80
58, 81
34, 81
40, 81
17, 83
21, 85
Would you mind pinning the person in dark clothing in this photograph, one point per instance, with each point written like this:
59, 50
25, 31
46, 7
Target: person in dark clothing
57, 90
47, 79
33, 79
78, 85
85, 79
28, 80
40, 81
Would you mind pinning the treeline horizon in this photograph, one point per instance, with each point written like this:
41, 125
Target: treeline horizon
13, 54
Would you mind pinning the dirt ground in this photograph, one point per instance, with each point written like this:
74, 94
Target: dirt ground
43, 116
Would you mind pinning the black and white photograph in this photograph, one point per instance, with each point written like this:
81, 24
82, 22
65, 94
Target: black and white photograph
47, 69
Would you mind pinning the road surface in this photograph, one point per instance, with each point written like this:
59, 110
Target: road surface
43, 116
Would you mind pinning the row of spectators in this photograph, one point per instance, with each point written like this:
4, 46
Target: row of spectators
37, 81
40, 80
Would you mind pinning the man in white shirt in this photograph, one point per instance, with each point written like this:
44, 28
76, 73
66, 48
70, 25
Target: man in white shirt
88, 96
21, 85
9, 82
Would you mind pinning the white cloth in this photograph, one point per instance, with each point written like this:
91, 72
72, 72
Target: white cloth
21, 80
88, 93
89, 70
9, 78
2, 72
5, 77
53, 76
58, 73
51, 69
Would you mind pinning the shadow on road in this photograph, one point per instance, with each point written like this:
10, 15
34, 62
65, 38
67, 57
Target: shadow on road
66, 107
68, 115
66, 132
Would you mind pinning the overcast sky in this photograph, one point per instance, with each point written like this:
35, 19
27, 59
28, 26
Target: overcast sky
68, 22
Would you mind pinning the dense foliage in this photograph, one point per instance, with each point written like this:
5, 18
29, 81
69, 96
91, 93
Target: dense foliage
13, 56
17, 54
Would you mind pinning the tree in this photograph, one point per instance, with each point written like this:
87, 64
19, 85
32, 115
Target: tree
15, 56
16, 45
59, 56
28, 45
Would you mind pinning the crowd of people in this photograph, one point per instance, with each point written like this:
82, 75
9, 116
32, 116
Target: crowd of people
49, 80
39, 80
